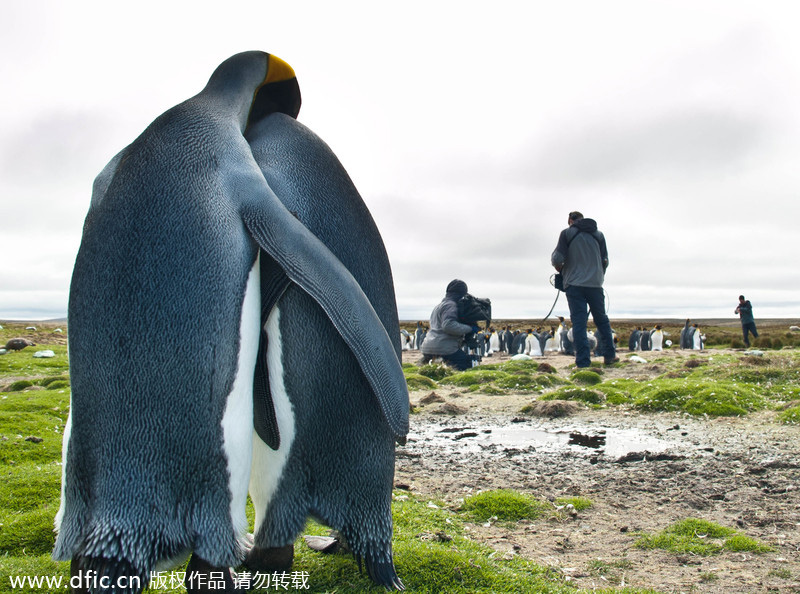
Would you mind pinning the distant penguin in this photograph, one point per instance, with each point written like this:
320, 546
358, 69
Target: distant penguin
333, 458
518, 343
592, 341
566, 341
656, 339
158, 444
482, 343
558, 335
633, 341
544, 338
686, 335
697, 338
508, 340
419, 334
532, 345
644, 340
494, 342
405, 340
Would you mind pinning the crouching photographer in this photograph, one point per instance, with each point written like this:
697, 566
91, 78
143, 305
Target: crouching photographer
447, 334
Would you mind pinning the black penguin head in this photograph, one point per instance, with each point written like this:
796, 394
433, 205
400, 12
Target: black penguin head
278, 93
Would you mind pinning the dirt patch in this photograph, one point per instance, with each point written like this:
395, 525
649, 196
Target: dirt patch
642, 472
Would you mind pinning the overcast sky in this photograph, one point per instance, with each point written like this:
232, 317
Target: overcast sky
471, 130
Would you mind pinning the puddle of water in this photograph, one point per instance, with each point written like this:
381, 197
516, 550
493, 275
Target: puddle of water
611, 442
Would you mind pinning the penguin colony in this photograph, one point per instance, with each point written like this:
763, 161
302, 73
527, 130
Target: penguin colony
227, 232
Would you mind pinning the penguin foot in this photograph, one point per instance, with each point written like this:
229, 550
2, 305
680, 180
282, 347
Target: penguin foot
270, 559
383, 573
203, 578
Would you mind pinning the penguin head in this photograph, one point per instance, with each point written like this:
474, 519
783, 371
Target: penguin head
279, 92
256, 84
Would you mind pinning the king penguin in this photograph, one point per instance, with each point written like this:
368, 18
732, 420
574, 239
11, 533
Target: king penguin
334, 455
158, 444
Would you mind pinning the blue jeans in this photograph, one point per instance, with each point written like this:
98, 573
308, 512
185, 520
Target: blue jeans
583, 300
749, 327
460, 360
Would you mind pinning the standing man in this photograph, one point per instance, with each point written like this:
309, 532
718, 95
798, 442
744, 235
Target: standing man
446, 335
581, 257
745, 311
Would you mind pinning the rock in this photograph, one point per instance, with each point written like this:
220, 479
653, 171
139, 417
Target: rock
552, 408
449, 408
322, 544
17, 344
754, 353
521, 357
44, 354
637, 359
431, 398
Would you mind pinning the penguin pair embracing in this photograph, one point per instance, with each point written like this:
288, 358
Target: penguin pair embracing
213, 244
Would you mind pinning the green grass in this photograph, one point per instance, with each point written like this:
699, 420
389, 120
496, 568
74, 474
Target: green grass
722, 384
609, 570
586, 377
700, 537
790, 416
24, 364
503, 504
698, 397
579, 503
417, 381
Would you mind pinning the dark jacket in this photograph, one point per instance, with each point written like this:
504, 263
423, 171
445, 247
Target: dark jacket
581, 254
446, 333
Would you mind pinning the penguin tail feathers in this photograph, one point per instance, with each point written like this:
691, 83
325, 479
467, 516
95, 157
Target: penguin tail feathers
380, 569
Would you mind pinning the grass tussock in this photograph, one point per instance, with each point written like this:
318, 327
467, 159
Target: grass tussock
700, 537
503, 504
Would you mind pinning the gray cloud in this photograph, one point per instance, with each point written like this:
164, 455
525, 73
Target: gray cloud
55, 148
684, 144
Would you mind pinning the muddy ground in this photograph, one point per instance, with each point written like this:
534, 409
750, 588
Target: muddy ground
641, 471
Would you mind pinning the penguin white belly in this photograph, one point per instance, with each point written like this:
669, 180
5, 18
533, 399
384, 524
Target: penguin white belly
238, 417
64, 445
269, 463
494, 342
657, 339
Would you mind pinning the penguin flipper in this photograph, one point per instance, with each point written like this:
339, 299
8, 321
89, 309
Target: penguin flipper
315, 269
273, 284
